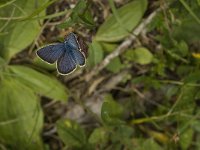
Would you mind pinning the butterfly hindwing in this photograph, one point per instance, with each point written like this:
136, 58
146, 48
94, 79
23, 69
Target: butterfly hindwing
78, 57
51, 53
66, 64
73, 49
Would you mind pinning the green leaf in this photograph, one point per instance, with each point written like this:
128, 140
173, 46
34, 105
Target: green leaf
96, 54
71, 133
140, 55
185, 101
43, 65
109, 47
39, 10
186, 138
80, 14
87, 19
78, 9
123, 133
190, 28
196, 125
21, 117
148, 81
183, 48
190, 11
186, 104
143, 56
74, 17
115, 65
198, 1
98, 136
111, 111
130, 15
150, 144
171, 91
2, 62
69, 22
20, 34
187, 95
40, 83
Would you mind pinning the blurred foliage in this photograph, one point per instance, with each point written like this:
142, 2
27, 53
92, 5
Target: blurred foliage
130, 15
149, 94
80, 15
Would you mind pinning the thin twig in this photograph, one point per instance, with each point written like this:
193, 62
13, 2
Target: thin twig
122, 47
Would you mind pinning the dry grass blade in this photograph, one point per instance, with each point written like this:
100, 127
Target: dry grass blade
122, 47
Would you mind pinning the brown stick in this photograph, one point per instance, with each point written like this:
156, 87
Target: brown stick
122, 47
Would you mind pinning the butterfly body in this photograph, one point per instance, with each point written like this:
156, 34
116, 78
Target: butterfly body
67, 55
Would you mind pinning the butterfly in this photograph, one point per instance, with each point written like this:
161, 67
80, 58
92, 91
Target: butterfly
67, 55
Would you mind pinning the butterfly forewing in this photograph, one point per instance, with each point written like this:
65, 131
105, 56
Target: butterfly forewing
66, 64
51, 53
71, 40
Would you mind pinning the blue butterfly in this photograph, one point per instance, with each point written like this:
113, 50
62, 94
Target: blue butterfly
67, 55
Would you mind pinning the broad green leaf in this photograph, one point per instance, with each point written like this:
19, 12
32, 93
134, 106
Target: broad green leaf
42, 64
140, 55
39, 10
186, 138
111, 111
21, 117
20, 34
185, 102
98, 136
143, 56
71, 133
115, 65
187, 95
150, 144
2, 62
183, 48
130, 15
95, 54
108, 47
40, 83
123, 133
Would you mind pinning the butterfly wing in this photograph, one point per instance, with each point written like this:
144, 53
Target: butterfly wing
73, 49
78, 57
51, 53
66, 64
71, 40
